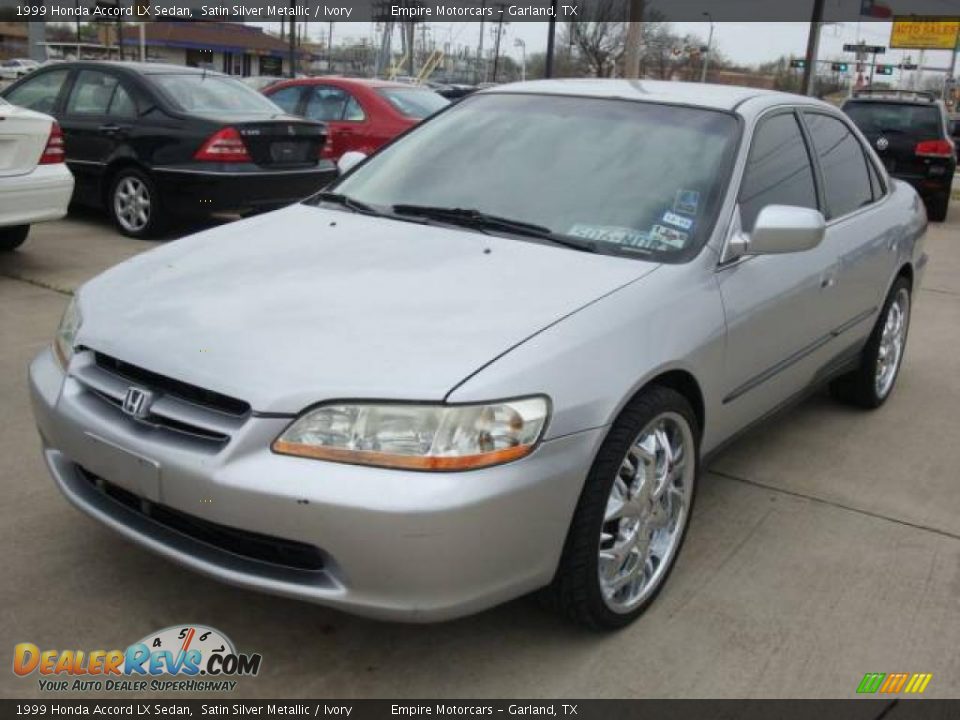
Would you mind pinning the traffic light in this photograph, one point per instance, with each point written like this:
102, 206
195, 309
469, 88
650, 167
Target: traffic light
798, 64
884, 69
839, 67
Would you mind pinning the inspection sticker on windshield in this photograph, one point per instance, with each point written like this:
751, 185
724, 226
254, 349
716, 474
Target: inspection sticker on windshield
663, 235
611, 234
671, 218
686, 202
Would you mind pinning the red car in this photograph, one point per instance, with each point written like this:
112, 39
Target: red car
360, 114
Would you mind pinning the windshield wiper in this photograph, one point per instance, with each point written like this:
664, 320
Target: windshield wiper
347, 202
469, 217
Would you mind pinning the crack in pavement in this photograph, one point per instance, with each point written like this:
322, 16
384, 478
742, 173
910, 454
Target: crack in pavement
37, 283
834, 504
941, 291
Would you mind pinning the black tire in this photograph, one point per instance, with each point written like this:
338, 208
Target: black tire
860, 386
13, 237
575, 590
132, 225
937, 207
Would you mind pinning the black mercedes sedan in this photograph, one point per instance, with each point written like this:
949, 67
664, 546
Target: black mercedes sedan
152, 142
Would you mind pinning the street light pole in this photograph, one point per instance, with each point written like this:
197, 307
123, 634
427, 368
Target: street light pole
813, 43
523, 58
706, 55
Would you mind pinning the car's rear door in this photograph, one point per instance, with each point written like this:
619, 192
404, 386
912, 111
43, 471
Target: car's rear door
777, 334
858, 232
346, 121
98, 116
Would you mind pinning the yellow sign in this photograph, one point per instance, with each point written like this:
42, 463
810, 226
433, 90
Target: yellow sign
924, 34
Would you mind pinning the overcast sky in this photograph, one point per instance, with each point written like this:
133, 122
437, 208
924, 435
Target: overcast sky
748, 43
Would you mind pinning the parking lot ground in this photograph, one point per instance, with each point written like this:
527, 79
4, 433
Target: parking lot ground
823, 546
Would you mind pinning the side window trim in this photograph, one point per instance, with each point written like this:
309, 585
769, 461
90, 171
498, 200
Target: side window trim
868, 163
106, 113
808, 146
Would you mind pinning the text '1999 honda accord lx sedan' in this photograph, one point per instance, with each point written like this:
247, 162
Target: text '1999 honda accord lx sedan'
490, 358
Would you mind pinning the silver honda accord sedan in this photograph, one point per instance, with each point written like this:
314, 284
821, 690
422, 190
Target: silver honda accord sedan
492, 357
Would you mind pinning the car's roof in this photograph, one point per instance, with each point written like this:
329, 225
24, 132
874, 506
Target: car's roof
144, 68
720, 97
366, 82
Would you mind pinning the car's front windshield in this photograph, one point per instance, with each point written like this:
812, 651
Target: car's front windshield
214, 93
613, 172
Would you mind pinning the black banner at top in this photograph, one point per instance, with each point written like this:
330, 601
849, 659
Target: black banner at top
472, 10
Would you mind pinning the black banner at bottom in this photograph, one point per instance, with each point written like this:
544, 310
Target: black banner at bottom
857, 709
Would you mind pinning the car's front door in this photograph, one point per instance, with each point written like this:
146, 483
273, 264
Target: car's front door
777, 335
97, 118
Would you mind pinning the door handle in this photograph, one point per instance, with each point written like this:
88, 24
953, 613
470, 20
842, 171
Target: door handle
828, 280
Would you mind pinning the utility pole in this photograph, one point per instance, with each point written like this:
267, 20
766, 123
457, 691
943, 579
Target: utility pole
551, 38
496, 51
480, 49
708, 51
330, 48
631, 57
293, 42
813, 44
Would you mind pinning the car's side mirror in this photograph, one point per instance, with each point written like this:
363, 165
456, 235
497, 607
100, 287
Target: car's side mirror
785, 229
349, 159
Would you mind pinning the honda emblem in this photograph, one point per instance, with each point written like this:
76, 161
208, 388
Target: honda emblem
136, 403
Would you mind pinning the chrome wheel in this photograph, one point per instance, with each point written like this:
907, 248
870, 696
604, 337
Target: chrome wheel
646, 512
131, 204
892, 341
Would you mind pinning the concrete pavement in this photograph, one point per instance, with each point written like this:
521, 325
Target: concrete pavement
824, 546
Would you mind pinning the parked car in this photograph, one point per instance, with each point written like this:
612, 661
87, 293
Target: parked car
910, 131
955, 133
151, 141
362, 115
35, 184
17, 68
260, 82
492, 357
452, 91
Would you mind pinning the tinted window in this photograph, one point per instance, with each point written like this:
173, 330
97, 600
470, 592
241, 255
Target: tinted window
326, 103
287, 98
881, 117
91, 93
842, 162
353, 112
414, 102
202, 93
778, 170
39, 92
617, 173
122, 105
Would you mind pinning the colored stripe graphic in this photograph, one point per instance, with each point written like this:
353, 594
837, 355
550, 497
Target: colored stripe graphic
871, 682
914, 683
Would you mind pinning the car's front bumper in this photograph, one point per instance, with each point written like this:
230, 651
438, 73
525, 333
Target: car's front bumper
40, 195
192, 191
394, 544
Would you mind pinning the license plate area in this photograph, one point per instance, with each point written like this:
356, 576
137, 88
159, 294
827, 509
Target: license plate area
122, 467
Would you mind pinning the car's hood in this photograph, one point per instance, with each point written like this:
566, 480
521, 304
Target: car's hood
308, 304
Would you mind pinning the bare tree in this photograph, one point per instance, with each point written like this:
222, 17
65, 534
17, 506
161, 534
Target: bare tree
601, 44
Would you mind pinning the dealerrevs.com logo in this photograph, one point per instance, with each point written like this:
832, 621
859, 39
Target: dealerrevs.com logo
187, 658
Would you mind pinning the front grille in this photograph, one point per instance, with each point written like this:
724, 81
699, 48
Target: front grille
154, 381
244, 543
177, 410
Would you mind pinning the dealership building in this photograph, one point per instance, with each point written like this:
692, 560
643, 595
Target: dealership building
231, 48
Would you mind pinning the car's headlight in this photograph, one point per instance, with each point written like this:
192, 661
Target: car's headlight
418, 436
67, 333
